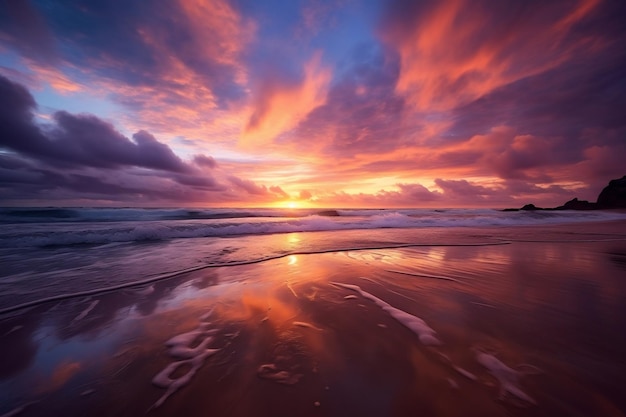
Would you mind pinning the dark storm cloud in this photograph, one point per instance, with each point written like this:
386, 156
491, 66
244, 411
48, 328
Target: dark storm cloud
79, 156
26, 180
205, 161
79, 140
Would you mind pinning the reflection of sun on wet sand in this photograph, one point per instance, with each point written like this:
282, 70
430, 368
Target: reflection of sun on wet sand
523, 329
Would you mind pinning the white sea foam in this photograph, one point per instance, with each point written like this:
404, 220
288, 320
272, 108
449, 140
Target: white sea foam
164, 380
507, 377
306, 325
67, 233
465, 373
167, 275
86, 311
273, 373
194, 357
418, 326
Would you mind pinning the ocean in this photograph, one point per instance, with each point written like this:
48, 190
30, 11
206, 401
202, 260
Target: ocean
61, 252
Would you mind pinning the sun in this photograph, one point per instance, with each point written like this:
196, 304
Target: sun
291, 204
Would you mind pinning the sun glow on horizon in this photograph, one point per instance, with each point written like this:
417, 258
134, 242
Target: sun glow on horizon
293, 204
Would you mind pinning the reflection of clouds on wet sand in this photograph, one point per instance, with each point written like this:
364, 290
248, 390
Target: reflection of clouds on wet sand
62, 373
413, 331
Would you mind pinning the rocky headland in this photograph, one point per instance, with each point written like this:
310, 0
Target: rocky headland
613, 196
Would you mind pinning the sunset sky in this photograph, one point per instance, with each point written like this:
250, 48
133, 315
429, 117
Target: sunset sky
346, 103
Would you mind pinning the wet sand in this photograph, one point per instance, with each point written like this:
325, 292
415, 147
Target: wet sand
529, 325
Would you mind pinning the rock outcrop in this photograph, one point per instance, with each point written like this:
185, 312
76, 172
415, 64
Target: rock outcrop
613, 196
530, 207
576, 204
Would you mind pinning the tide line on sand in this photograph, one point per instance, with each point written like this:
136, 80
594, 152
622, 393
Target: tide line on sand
162, 277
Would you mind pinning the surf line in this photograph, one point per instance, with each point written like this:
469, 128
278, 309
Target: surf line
174, 274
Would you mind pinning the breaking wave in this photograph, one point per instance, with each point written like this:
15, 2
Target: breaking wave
260, 222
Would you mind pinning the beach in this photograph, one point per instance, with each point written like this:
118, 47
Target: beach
381, 208
519, 320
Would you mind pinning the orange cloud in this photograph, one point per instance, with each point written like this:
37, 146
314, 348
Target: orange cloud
177, 96
54, 77
280, 107
457, 52
219, 31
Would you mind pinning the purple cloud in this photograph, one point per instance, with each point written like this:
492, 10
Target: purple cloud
82, 155
24, 27
77, 140
205, 161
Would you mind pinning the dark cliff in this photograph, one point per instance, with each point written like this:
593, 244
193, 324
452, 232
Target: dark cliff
613, 196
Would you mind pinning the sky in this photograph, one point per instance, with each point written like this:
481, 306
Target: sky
311, 103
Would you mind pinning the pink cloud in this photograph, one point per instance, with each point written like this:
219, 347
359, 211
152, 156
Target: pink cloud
252, 188
456, 51
205, 161
280, 106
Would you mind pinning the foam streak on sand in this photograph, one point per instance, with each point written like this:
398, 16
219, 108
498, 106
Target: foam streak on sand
418, 326
507, 377
179, 347
466, 374
14, 412
18, 410
86, 311
307, 325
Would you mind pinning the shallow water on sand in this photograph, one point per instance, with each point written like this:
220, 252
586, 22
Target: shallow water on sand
529, 327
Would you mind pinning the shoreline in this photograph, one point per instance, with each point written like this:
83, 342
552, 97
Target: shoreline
280, 338
615, 228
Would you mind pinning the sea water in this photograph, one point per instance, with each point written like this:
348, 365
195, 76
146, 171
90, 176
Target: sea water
60, 252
